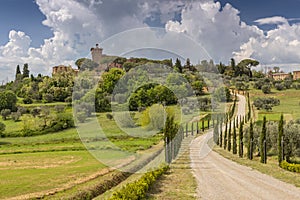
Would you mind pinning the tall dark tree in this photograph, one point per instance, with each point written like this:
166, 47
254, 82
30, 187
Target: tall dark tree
280, 135
229, 137
25, 71
225, 136
263, 157
18, 72
178, 66
241, 137
234, 144
250, 142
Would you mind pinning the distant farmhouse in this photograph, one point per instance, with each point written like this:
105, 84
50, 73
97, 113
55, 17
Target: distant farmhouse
296, 75
282, 76
63, 69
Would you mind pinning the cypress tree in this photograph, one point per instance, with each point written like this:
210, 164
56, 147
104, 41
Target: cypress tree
241, 137
221, 132
280, 135
18, 72
234, 145
25, 71
250, 142
225, 136
263, 157
249, 106
229, 137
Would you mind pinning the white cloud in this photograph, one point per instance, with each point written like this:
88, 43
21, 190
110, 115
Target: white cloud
272, 20
281, 45
78, 24
219, 30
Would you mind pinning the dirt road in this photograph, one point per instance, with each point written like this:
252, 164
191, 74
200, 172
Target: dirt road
219, 178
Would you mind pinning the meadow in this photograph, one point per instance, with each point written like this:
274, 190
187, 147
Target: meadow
289, 104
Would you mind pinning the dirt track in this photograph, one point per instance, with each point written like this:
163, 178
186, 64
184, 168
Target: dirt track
219, 178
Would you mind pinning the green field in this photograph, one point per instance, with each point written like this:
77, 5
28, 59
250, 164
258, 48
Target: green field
289, 104
46, 163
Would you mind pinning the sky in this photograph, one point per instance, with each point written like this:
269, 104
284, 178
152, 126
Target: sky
45, 33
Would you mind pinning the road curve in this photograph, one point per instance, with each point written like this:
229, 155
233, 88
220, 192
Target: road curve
220, 178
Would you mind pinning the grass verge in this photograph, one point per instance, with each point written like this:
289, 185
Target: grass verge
271, 168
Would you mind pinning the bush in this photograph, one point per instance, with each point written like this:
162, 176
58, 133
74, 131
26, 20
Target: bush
279, 86
27, 100
48, 98
290, 166
2, 129
62, 121
5, 113
124, 120
16, 116
266, 89
153, 117
109, 116
138, 189
296, 86
22, 110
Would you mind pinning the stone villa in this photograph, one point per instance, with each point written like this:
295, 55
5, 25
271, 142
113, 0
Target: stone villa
296, 75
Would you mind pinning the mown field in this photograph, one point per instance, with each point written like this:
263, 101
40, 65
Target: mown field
37, 165
289, 104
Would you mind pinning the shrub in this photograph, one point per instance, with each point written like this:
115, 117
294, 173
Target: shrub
22, 110
5, 113
266, 89
296, 86
124, 120
137, 190
279, 86
290, 166
27, 100
62, 121
153, 117
48, 98
16, 116
2, 129
109, 116
35, 111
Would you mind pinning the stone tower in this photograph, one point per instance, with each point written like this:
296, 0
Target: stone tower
96, 54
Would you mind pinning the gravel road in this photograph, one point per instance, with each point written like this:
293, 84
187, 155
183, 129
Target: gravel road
219, 178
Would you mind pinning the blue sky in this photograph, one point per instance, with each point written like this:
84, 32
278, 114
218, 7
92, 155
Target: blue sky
45, 33
24, 15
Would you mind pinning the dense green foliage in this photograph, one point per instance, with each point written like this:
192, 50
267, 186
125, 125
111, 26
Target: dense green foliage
290, 166
138, 189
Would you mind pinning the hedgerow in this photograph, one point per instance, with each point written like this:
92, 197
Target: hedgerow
138, 189
290, 166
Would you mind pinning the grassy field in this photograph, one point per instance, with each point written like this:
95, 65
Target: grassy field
51, 162
289, 104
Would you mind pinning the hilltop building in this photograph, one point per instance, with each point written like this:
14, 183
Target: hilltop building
280, 76
296, 75
97, 54
62, 69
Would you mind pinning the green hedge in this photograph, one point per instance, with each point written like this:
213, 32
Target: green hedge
290, 166
138, 189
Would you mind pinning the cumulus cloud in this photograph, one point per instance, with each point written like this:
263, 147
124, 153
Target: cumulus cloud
272, 20
281, 45
219, 30
78, 24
